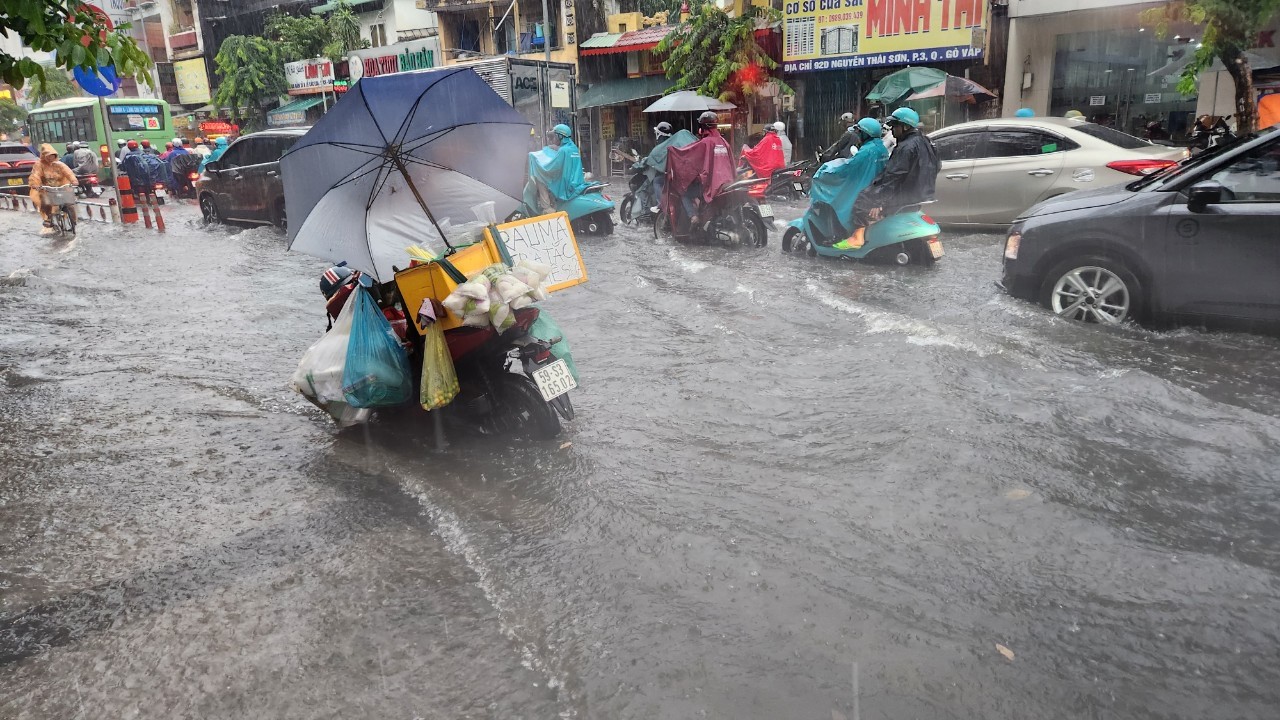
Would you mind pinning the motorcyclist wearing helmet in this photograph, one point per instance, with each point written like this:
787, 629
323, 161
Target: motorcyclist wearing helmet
85, 165
696, 172
840, 147
839, 183
655, 164
909, 177
766, 157
781, 128
555, 172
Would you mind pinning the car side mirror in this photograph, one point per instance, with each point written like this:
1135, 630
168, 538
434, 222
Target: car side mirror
1203, 194
213, 167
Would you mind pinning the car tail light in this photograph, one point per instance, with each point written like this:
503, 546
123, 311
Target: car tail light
927, 219
1011, 245
5, 165
193, 176
24, 163
1140, 167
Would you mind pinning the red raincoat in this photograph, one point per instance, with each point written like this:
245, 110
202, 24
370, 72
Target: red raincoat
766, 157
709, 160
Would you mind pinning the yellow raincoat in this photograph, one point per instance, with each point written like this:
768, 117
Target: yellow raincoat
48, 171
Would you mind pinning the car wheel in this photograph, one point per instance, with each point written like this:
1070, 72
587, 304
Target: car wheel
209, 209
1093, 290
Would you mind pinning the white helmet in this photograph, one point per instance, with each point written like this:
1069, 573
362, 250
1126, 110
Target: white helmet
847, 118
779, 127
177, 142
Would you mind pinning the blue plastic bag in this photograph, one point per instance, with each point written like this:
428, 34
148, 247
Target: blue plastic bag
376, 373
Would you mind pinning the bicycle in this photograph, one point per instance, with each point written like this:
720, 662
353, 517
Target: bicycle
62, 200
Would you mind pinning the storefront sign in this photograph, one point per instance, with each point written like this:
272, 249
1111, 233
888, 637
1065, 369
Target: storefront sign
218, 127
307, 77
413, 56
1097, 100
285, 119
1152, 98
843, 34
193, 81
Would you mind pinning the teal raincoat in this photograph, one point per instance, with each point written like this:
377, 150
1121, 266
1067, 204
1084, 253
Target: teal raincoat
837, 185
559, 170
656, 163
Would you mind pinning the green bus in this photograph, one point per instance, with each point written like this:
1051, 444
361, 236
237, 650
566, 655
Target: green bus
60, 122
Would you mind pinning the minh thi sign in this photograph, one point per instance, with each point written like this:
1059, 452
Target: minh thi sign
845, 34
307, 77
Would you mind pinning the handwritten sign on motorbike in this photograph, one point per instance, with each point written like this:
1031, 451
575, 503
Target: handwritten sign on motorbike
547, 239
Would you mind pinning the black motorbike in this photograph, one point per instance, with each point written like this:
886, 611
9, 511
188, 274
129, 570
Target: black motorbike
638, 186
732, 219
792, 182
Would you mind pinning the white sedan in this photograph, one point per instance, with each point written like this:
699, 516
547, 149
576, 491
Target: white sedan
994, 170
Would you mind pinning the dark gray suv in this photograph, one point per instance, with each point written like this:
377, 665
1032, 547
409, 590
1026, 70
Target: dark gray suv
1197, 243
244, 184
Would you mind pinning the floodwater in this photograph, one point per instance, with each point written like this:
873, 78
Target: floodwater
794, 489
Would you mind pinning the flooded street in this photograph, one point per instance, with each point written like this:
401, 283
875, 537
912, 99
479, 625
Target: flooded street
794, 489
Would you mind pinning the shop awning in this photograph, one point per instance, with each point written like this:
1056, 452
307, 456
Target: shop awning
356, 7
600, 40
293, 113
614, 92
633, 41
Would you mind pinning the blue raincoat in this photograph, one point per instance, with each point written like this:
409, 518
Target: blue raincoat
657, 160
559, 170
219, 147
837, 185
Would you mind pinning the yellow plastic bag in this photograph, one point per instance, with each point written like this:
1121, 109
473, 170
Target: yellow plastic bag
439, 379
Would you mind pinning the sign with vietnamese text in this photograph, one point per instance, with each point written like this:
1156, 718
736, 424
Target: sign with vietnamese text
1152, 98
845, 34
218, 127
372, 62
192, 79
307, 77
1097, 100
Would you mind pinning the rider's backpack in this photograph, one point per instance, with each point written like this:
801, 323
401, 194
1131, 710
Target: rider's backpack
150, 164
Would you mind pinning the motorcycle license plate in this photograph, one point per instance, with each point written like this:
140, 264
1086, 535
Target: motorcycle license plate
935, 248
766, 212
554, 380
160, 192
15, 181
798, 186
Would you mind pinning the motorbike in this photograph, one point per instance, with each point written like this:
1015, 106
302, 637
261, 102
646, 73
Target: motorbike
87, 186
590, 213
735, 218
790, 182
510, 383
905, 235
638, 187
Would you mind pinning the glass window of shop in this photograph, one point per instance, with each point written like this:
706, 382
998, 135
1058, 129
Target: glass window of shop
1126, 79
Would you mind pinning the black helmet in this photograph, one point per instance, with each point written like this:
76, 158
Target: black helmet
708, 119
662, 128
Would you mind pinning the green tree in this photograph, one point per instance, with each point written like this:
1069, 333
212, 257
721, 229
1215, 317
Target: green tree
11, 116
717, 55
300, 37
55, 85
78, 37
1230, 28
251, 73
344, 32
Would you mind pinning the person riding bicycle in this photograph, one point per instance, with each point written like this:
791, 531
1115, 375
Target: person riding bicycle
840, 148
655, 164
51, 172
909, 178
555, 172
696, 172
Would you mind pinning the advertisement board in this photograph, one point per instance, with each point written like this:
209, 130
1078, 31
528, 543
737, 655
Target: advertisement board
306, 77
192, 80
845, 34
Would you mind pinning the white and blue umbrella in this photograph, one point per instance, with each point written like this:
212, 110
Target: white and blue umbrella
395, 159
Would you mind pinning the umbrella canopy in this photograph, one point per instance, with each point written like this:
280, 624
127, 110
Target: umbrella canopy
397, 161
901, 85
688, 101
956, 88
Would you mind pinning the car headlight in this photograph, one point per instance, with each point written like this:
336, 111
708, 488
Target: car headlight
1011, 244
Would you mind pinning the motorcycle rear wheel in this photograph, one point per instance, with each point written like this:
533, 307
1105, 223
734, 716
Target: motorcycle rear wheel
521, 412
625, 208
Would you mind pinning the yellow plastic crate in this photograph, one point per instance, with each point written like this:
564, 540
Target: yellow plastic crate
431, 281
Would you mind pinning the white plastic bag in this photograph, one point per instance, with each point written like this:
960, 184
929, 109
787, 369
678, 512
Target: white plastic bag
319, 373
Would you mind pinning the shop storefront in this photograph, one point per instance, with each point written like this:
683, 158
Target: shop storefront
1101, 59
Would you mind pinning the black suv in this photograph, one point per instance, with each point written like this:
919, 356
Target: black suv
244, 184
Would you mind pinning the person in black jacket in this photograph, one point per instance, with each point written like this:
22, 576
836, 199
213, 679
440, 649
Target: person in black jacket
840, 148
910, 177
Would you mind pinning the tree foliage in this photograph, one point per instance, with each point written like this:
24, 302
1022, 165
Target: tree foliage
78, 38
11, 116
251, 73
302, 37
55, 85
1230, 28
344, 33
717, 55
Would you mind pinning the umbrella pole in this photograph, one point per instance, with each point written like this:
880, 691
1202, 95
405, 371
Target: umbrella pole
404, 171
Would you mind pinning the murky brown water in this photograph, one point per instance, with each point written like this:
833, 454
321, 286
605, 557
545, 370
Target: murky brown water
794, 488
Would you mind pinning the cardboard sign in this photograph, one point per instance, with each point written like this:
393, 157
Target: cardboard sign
547, 239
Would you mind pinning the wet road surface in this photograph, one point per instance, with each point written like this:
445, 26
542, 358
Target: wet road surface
795, 489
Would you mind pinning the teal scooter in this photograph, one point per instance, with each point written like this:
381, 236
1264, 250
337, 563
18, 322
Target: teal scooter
590, 213
903, 237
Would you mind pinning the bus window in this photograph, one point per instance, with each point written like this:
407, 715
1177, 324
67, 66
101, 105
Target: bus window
61, 126
135, 117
